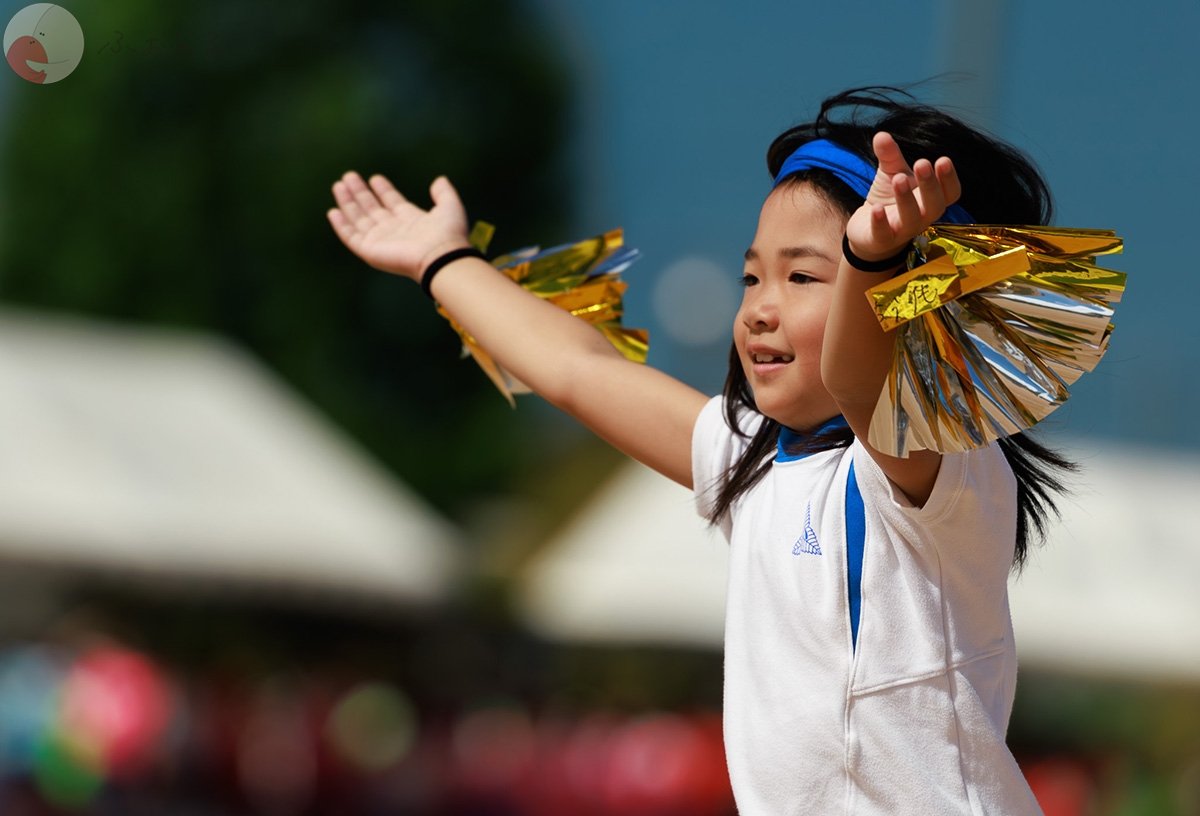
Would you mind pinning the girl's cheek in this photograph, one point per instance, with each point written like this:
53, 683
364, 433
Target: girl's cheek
739, 324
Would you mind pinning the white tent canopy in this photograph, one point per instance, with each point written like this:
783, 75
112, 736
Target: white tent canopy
1113, 590
635, 565
165, 456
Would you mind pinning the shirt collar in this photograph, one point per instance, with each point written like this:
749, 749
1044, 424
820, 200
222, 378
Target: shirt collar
789, 438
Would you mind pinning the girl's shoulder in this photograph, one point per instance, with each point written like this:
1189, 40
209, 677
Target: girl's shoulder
972, 486
716, 448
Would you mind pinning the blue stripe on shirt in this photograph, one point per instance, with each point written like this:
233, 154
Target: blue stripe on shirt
856, 540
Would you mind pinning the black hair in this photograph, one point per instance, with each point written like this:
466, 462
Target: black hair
1000, 186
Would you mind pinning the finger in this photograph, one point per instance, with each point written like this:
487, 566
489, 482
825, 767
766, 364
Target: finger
929, 187
341, 193
948, 178
343, 229
881, 227
882, 234
367, 202
391, 198
347, 205
341, 226
444, 195
350, 207
349, 183
891, 159
908, 210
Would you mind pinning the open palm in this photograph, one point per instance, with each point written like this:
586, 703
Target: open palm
388, 231
903, 201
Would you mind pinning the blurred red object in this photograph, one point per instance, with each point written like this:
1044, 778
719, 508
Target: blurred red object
1062, 785
115, 707
660, 764
667, 765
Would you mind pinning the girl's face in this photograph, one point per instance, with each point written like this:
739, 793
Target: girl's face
789, 274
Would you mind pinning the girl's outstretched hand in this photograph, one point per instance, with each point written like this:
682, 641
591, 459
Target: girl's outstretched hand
902, 203
391, 233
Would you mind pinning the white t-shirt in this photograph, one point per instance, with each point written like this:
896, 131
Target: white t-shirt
910, 719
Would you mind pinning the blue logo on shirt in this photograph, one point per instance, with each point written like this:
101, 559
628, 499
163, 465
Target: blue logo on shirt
807, 543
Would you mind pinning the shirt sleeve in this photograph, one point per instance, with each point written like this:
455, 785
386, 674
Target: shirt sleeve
973, 503
984, 470
715, 448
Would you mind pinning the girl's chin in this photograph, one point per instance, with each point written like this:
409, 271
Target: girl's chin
778, 412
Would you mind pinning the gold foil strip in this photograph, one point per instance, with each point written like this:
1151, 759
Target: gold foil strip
992, 324
583, 278
939, 281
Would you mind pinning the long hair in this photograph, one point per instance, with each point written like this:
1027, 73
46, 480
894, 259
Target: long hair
1000, 186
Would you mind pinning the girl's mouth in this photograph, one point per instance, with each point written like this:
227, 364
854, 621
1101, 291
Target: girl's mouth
768, 364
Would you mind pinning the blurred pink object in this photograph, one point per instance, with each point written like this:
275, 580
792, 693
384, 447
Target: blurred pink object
115, 708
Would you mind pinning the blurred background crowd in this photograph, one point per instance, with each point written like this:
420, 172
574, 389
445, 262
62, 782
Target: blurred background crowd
268, 546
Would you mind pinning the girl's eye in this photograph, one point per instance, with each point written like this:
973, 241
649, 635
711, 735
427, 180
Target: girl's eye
799, 277
748, 280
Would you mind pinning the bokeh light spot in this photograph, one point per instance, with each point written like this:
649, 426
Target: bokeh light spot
695, 300
372, 727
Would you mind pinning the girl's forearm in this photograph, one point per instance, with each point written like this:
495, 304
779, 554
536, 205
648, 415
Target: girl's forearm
856, 353
855, 359
639, 410
543, 346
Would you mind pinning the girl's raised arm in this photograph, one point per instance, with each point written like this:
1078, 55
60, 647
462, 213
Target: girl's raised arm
902, 203
639, 410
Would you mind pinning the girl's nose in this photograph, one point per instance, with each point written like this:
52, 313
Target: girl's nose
760, 313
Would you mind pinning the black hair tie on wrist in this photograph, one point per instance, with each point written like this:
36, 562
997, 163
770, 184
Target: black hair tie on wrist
444, 260
886, 265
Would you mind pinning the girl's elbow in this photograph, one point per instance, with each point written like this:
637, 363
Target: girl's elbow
835, 377
572, 388
849, 384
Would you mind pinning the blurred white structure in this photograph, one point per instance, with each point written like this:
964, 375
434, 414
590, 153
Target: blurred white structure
1115, 588
174, 459
1113, 591
636, 565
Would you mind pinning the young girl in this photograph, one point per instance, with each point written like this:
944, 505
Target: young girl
870, 665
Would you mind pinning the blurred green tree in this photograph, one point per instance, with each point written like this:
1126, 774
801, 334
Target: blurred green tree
181, 175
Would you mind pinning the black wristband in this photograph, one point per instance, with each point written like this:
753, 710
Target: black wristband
886, 265
444, 260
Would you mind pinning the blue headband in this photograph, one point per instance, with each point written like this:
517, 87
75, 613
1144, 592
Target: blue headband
851, 169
